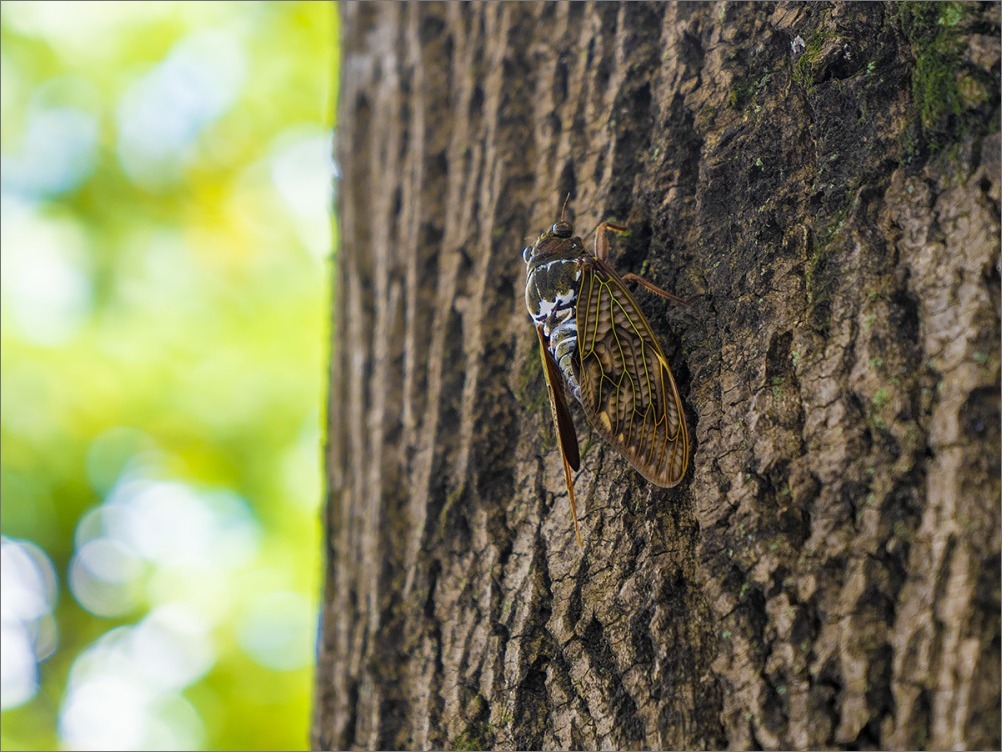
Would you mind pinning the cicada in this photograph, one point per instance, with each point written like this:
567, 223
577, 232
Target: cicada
597, 345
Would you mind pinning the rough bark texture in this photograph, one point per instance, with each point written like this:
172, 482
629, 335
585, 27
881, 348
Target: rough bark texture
823, 182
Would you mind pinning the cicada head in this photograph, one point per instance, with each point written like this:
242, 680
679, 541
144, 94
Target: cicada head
557, 242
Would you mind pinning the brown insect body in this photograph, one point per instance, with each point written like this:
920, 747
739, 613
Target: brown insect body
595, 341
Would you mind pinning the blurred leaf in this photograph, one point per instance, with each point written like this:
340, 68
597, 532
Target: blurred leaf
166, 186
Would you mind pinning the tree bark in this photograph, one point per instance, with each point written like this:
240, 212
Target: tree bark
822, 182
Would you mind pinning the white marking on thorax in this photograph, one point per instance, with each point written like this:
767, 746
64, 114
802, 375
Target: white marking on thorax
563, 300
560, 303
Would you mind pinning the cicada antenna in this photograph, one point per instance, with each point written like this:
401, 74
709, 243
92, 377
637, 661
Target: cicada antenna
564, 207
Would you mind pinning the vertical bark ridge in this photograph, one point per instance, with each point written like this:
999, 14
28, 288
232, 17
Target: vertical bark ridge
423, 484
481, 247
415, 225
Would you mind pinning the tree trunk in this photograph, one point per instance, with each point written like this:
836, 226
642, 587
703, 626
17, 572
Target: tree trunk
822, 183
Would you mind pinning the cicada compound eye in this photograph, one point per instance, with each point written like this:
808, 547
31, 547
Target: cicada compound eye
527, 253
562, 228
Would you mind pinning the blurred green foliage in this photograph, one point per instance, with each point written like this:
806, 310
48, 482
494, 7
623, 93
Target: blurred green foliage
166, 182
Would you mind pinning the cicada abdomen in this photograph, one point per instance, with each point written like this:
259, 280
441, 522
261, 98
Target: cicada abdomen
596, 343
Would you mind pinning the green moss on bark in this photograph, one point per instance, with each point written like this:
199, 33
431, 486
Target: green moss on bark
950, 95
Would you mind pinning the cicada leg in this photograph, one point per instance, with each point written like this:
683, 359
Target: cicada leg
602, 254
602, 238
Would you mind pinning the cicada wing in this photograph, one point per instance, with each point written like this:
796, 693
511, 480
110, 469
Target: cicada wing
627, 389
562, 422
566, 435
